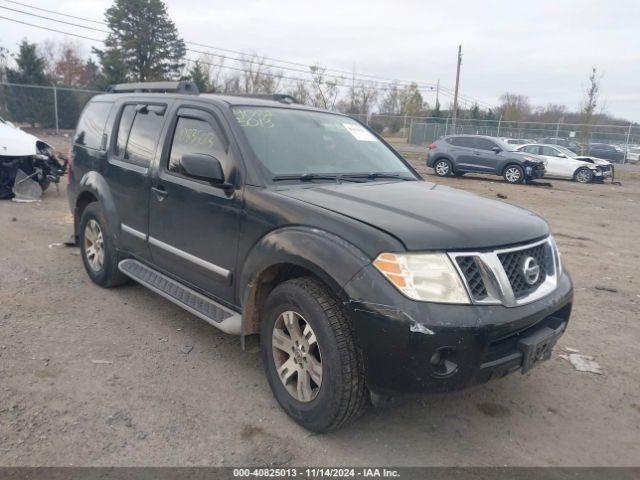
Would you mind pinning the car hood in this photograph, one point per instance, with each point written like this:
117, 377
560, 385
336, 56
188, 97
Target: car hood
525, 156
595, 160
16, 143
425, 216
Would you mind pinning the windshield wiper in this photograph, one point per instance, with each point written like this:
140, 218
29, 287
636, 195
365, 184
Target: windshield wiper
308, 177
374, 175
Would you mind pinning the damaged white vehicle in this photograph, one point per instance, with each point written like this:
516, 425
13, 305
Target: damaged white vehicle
27, 164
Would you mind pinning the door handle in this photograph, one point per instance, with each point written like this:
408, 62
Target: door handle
160, 192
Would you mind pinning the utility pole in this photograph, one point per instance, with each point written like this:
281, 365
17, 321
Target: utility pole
455, 95
438, 93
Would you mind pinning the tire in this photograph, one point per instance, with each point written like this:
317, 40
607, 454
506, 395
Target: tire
338, 395
95, 231
44, 184
513, 174
583, 175
442, 167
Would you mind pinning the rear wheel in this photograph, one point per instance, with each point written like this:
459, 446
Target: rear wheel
311, 358
98, 251
514, 174
442, 167
583, 175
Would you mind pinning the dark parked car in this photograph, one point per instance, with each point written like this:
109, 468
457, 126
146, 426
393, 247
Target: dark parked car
563, 142
459, 154
608, 152
267, 217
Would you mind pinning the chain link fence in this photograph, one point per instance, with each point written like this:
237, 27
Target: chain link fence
50, 107
58, 108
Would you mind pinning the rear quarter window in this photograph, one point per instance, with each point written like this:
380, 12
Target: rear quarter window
92, 124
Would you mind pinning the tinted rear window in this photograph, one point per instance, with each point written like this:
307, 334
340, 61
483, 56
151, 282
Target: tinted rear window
138, 133
461, 141
483, 144
91, 125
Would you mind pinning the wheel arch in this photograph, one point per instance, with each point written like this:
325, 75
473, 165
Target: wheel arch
94, 188
510, 163
293, 252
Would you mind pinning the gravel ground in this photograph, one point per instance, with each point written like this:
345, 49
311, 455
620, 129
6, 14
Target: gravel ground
90, 376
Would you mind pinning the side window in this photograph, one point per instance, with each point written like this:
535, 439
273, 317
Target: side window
193, 135
124, 127
530, 149
483, 144
548, 151
138, 133
466, 142
91, 125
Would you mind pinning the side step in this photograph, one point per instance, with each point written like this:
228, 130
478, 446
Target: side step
211, 312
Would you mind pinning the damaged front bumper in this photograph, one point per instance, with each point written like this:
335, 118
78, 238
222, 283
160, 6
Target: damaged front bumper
411, 346
41, 169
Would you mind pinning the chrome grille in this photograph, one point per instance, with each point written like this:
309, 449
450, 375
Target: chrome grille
471, 272
497, 277
513, 261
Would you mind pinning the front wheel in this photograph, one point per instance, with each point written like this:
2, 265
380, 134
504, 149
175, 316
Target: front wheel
514, 174
583, 175
442, 167
311, 357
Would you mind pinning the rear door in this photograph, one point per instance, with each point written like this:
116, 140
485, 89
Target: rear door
193, 225
464, 153
132, 151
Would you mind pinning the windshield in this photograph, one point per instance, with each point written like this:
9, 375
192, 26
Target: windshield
301, 142
507, 147
566, 151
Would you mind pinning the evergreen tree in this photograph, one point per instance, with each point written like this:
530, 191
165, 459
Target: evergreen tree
143, 44
199, 75
30, 105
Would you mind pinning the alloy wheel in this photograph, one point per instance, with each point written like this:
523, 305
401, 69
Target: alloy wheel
442, 168
512, 174
94, 245
583, 176
297, 357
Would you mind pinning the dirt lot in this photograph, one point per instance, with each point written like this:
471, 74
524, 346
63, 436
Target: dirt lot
105, 377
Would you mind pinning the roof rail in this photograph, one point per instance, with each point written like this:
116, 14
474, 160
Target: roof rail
278, 97
183, 86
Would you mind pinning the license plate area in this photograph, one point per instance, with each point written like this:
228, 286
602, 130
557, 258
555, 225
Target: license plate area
538, 346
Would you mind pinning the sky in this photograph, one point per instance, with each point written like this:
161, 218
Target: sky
542, 49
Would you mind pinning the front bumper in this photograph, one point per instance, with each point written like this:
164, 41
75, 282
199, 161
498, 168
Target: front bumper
474, 343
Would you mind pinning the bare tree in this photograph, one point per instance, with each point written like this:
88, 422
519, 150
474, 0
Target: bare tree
589, 105
326, 90
514, 107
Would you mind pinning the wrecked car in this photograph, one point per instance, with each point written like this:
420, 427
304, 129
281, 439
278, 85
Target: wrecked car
305, 227
460, 154
26, 162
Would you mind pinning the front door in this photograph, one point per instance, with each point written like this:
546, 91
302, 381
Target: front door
193, 225
488, 160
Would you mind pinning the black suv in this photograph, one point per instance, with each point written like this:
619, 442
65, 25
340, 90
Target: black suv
262, 216
460, 154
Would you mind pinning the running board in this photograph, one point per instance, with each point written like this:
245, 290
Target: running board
211, 312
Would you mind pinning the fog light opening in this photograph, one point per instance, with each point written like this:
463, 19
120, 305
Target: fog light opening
444, 362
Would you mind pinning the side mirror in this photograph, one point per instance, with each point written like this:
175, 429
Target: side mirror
562, 155
496, 149
203, 167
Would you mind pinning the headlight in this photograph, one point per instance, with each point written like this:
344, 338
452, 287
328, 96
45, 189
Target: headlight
556, 254
427, 277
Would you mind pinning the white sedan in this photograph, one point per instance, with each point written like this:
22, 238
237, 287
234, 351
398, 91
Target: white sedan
563, 163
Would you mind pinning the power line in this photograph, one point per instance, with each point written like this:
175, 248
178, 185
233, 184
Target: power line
385, 80
386, 83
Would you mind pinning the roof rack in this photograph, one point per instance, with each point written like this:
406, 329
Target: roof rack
278, 97
183, 86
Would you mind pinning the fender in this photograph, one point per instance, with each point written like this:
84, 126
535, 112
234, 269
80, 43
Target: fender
334, 260
94, 183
